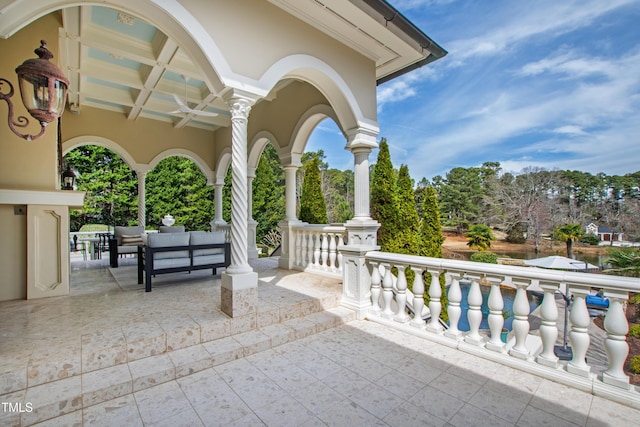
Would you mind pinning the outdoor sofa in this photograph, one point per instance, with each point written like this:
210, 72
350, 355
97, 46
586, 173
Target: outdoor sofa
186, 251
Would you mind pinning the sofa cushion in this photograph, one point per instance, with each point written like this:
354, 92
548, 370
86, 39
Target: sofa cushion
207, 238
164, 240
119, 231
159, 264
208, 259
172, 229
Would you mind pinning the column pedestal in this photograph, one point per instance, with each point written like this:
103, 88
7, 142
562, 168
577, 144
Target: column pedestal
356, 275
287, 244
239, 293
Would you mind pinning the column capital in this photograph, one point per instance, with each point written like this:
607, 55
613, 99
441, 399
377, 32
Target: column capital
358, 138
291, 160
142, 169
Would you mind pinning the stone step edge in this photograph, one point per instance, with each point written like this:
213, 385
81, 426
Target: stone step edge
76, 392
104, 356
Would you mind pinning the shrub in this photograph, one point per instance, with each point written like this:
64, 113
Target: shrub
635, 364
634, 331
484, 256
590, 239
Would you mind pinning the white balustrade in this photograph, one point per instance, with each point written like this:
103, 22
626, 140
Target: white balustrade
316, 248
528, 346
474, 315
496, 316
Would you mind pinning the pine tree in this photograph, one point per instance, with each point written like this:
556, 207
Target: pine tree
431, 237
407, 237
268, 193
431, 240
312, 205
383, 197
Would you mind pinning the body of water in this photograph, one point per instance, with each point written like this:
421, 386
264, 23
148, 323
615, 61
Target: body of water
508, 295
599, 260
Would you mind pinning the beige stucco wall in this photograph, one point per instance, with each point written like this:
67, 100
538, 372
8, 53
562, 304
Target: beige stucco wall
17, 155
143, 139
253, 35
13, 254
280, 116
23, 164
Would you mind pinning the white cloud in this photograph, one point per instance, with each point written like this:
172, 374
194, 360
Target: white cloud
569, 130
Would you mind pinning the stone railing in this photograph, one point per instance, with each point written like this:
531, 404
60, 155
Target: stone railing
316, 248
527, 349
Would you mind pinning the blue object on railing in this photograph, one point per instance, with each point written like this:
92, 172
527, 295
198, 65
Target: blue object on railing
597, 301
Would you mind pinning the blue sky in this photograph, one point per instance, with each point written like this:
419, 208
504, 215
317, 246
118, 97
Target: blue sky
545, 83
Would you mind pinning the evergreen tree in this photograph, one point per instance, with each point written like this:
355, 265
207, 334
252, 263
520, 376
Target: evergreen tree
268, 193
407, 236
312, 205
431, 237
178, 187
111, 188
431, 240
383, 197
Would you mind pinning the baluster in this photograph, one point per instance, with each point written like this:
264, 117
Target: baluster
325, 249
520, 320
579, 336
474, 315
387, 292
616, 346
496, 317
454, 310
401, 296
340, 243
309, 260
316, 249
549, 325
435, 305
303, 248
418, 298
298, 247
332, 251
376, 280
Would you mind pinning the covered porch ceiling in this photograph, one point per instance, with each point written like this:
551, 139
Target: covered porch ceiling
122, 63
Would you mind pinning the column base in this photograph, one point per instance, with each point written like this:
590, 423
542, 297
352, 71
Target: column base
239, 294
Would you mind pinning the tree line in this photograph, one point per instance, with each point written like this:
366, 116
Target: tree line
535, 202
526, 205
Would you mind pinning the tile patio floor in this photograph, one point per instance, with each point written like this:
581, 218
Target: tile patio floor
112, 355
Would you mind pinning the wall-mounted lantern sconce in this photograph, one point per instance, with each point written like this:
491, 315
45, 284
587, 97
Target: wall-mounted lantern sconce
43, 87
68, 179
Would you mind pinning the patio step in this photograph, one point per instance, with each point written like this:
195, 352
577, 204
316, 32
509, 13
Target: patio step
110, 368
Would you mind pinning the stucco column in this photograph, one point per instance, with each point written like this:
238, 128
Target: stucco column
361, 230
239, 290
290, 165
252, 224
217, 202
290, 190
141, 173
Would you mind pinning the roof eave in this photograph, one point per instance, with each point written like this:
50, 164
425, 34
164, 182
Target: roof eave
394, 18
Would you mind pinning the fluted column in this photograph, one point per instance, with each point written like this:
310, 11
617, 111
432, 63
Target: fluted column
239, 282
141, 172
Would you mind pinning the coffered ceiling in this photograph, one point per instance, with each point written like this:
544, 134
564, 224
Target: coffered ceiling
121, 63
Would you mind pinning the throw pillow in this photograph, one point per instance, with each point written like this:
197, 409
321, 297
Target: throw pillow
134, 240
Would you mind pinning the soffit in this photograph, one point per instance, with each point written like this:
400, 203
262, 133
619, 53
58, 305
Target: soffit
121, 63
